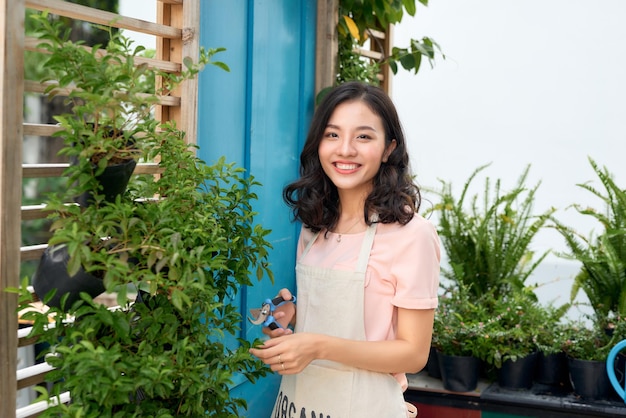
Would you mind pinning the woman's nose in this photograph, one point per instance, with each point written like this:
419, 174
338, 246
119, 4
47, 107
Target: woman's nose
346, 147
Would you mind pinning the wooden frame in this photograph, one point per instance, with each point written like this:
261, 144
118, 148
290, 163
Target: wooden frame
177, 32
326, 46
11, 101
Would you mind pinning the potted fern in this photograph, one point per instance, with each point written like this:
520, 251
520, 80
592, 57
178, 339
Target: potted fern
173, 251
602, 278
602, 275
488, 242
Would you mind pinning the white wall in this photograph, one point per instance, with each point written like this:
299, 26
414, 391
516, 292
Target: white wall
539, 82
144, 10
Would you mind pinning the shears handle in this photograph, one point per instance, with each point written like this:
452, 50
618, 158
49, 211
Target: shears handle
270, 322
279, 300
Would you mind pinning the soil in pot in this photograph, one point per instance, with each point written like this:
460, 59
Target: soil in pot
459, 373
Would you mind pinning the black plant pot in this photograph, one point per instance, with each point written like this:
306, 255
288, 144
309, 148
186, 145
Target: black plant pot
552, 369
459, 373
518, 374
589, 378
114, 180
432, 365
52, 274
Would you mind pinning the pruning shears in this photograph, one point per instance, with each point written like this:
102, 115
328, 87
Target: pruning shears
265, 314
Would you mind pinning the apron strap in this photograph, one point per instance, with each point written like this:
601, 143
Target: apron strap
366, 248
310, 244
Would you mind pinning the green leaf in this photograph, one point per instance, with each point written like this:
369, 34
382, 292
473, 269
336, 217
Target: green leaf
180, 299
408, 61
409, 5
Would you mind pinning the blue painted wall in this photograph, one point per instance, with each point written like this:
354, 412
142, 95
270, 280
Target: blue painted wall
257, 116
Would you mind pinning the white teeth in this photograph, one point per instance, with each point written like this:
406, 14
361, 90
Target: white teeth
346, 166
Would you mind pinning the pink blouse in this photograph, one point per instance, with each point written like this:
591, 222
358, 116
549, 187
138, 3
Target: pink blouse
403, 270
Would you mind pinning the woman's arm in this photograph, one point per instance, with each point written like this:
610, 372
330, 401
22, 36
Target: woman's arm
408, 353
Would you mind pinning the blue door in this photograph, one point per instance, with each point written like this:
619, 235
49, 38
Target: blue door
257, 116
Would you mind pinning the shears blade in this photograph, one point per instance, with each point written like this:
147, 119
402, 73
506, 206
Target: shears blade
259, 315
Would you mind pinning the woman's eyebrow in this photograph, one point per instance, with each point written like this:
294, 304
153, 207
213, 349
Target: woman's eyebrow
358, 128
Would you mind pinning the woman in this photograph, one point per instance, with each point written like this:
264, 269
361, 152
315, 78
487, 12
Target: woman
367, 270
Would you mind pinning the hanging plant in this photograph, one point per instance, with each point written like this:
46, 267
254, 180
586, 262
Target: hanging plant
357, 19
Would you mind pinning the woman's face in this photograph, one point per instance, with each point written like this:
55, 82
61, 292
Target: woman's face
353, 147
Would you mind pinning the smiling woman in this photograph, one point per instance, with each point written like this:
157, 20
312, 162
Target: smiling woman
358, 204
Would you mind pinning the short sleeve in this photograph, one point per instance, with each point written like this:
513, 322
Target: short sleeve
416, 265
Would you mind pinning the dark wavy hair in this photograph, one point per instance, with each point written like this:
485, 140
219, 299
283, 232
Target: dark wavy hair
314, 199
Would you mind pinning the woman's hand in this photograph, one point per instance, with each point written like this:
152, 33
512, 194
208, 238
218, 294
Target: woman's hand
288, 354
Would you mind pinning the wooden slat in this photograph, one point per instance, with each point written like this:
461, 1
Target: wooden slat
368, 53
383, 45
37, 408
32, 212
31, 44
37, 87
43, 170
89, 14
40, 129
23, 339
32, 375
188, 119
56, 170
374, 33
326, 46
166, 49
32, 252
11, 108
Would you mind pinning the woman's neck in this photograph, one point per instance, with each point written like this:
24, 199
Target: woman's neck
351, 204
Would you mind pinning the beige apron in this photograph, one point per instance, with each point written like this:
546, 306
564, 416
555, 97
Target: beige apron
331, 302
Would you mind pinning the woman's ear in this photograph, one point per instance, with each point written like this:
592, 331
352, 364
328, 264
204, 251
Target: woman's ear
389, 150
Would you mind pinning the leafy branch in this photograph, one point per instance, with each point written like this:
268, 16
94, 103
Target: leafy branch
358, 20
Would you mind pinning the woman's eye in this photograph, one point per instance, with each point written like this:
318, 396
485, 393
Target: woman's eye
331, 135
